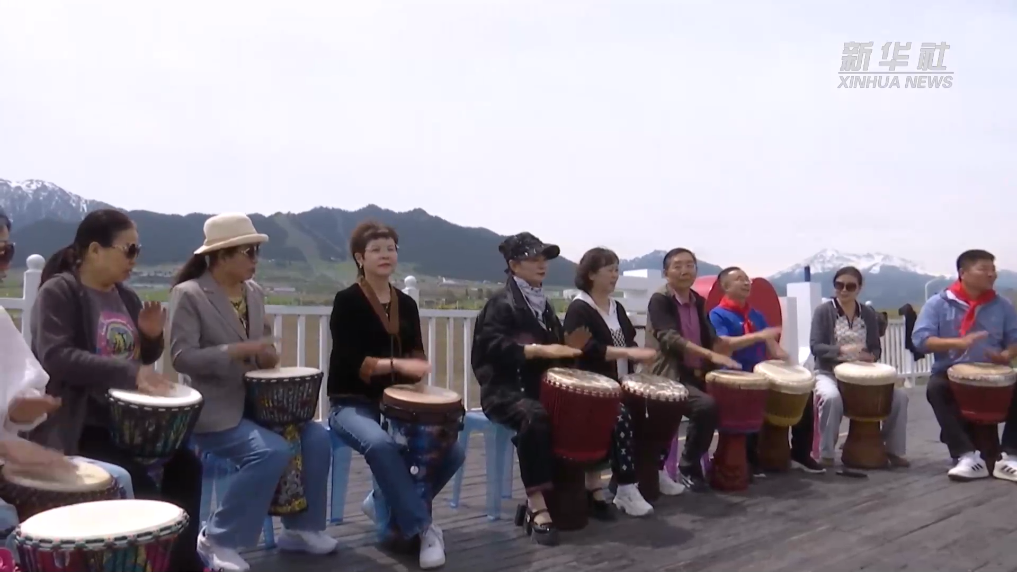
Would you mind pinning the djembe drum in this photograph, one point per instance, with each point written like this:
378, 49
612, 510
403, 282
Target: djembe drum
283, 399
151, 428
656, 405
983, 392
866, 390
583, 408
425, 422
32, 494
102, 536
741, 404
786, 399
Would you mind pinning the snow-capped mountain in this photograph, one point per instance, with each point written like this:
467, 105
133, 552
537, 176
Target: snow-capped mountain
828, 260
30, 201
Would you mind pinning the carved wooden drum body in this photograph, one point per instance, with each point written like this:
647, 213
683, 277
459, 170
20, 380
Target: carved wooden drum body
789, 393
741, 407
866, 390
656, 405
983, 392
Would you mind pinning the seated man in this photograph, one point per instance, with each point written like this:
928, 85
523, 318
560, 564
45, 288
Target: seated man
968, 322
746, 332
516, 339
677, 325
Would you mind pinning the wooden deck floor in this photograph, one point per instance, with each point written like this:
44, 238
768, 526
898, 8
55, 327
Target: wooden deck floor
912, 519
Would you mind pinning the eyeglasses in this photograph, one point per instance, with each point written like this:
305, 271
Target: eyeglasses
6, 252
848, 286
131, 251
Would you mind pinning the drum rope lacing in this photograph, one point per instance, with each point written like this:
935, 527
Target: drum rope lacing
118, 541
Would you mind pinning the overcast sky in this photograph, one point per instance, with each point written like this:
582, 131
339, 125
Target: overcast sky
635, 125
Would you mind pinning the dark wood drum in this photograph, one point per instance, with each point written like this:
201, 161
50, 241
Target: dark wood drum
866, 390
656, 405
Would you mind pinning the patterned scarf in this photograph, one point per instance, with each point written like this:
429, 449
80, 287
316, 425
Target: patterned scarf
535, 299
973, 303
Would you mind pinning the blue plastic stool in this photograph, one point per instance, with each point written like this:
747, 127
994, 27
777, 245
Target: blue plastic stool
342, 456
217, 473
499, 461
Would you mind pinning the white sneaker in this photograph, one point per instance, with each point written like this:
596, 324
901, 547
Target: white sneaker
1006, 468
629, 501
367, 507
970, 467
669, 487
432, 548
219, 557
311, 542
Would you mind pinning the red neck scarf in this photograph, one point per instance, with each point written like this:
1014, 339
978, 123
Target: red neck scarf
973, 304
740, 309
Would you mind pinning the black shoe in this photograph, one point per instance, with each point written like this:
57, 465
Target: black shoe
544, 534
694, 483
600, 509
808, 464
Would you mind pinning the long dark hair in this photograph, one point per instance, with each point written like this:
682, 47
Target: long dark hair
193, 268
101, 226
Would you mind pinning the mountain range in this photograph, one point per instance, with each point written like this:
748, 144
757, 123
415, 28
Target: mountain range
45, 217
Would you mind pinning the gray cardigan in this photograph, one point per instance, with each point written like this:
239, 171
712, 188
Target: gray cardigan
202, 324
821, 341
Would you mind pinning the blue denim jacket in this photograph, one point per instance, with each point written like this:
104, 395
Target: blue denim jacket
941, 317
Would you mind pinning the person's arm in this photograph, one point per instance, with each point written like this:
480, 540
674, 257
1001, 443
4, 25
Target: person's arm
1010, 330
821, 337
55, 332
579, 315
873, 333
21, 375
494, 340
733, 334
150, 348
187, 354
926, 335
416, 342
345, 324
665, 329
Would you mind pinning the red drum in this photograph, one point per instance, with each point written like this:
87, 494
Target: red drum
741, 407
583, 408
983, 392
656, 405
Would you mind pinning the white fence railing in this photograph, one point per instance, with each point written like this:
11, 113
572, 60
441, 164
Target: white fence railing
305, 339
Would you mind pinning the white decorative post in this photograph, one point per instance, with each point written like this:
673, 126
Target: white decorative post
410, 289
789, 330
30, 289
807, 296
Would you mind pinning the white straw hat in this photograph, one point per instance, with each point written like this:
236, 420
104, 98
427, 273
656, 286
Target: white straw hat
228, 230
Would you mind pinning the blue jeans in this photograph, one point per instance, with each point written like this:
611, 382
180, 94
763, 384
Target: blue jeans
357, 425
262, 456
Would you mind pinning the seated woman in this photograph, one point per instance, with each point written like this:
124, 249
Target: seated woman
218, 333
611, 351
516, 339
844, 330
92, 333
376, 342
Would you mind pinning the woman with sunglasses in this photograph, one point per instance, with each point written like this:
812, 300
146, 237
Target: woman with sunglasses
219, 332
92, 333
845, 330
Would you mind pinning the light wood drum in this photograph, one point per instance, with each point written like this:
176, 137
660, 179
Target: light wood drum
789, 394
983, 392
741, 406
866, 390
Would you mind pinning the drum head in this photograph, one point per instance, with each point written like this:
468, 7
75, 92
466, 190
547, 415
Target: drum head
282, 373
102, 519
421, 397
982, 374
865, 373
739, 379
786, 378
582, 382
86, 477
654, 387
181, 396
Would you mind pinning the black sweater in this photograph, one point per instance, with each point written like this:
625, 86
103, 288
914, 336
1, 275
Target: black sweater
363, 334
582, 315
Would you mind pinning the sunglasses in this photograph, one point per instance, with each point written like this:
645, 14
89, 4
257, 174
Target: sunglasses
252, 252
131, 251
6, 253
848, 286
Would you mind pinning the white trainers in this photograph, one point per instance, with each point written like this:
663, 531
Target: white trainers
367, 507
970, 467
629, 501
311, 542
1006, 468
669, 487
432, 548
220, 558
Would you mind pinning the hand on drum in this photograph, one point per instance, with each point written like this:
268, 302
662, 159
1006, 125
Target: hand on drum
865, 356
250, 349
969, 340
771, 333
999, 358
153, 383
34, 459
412, 368
641, 354
152, 319
267, 358
25, 410
724, 361
558, 351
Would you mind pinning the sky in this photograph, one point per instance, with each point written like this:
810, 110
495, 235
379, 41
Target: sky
633, 125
